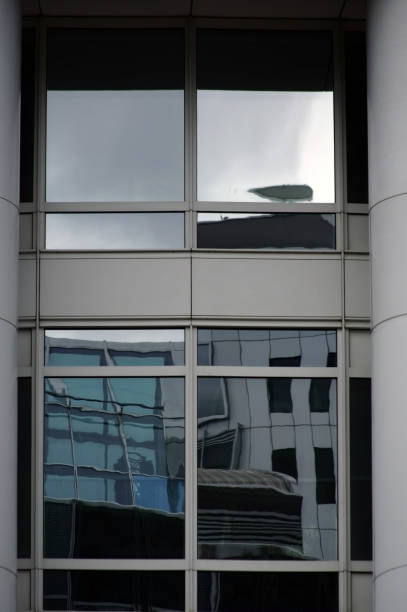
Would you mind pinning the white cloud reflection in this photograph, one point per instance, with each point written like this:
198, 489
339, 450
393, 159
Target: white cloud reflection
113, 146
249, 139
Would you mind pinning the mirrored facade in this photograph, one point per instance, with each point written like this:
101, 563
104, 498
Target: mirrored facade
114, 231
267, 347
265, 116
267, 468
114, 347
266, 231
115, 115
114, 467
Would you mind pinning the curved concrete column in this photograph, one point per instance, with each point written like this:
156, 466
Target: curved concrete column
9, 173
387, 107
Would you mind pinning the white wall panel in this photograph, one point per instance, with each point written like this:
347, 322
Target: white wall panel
246, 287
357, 288
97, 287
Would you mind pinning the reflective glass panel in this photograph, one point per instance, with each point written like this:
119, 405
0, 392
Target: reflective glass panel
266, 231
24, 469
356, 117
267, 592
361, 468
119, 590
27, 114
267, 347
267, 470
115, 115
265, 116
114, 467
114, 231
110, 347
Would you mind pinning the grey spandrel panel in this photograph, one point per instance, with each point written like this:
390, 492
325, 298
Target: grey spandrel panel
115, 115
114, 231
139, 591
262, 455
265, 116
266, 231
267, 592
114, 459
114, 347
267, 347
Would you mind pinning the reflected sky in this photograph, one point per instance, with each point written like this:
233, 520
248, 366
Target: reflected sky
252, 139
119, 335
109, 231
107, 146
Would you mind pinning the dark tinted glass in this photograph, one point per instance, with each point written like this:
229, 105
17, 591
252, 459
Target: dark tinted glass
361, 468
119, 590
266, 231
266, 470
356, 116
265, 115
24, 469
267, 592
114, 347
267, 347
114, 467
114, 231
27, 114
115, 115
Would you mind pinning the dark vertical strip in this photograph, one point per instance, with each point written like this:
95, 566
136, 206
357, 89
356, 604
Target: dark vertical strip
27, 115
24, 469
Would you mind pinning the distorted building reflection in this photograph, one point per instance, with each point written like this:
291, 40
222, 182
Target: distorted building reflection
113, 457
267, 449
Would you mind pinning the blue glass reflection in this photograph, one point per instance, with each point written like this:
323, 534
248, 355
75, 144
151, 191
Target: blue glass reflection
115, 443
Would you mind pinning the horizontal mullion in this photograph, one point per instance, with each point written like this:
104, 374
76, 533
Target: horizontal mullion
359, 372
361, 566
256, 372
114, 564
115, 371
218, 565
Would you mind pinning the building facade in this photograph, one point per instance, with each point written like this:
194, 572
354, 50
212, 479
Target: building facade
190, 307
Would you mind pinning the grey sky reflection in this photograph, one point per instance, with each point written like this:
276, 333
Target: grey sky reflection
249, 139
109, 231
119, 335
107, 146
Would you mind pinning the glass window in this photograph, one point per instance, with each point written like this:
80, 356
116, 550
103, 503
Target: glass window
114, 347
24, 469
356, 117
268, 457
267, 347
114, 231
115, 115
265, 116
117, 590
114, 467
361, 468
267, 592
266, 231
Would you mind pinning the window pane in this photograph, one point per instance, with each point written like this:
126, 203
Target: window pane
265, 116
356, 116
109, 347
27, 114
267, 470
267, 347
114, 467
115, 115
361, 468
118, 590
114, 231
24, 469
266, 231
267, 592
